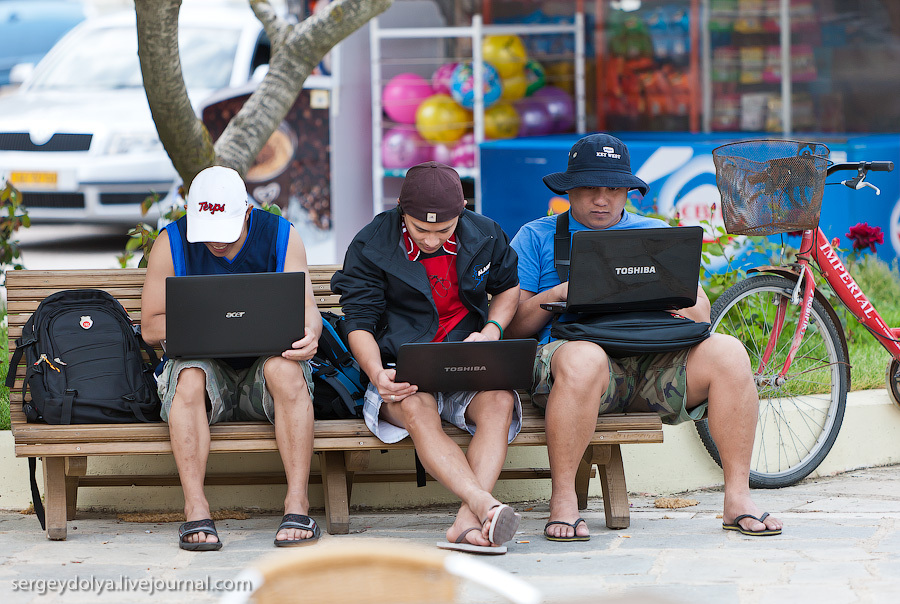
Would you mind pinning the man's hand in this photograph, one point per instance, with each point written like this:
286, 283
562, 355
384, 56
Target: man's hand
391, 391
560, 292
303, 349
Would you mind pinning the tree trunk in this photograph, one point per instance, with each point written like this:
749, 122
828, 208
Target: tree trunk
296, 50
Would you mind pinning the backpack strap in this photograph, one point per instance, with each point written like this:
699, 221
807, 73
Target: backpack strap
21, 345
562, 247
66, 411
345, 388
35, 493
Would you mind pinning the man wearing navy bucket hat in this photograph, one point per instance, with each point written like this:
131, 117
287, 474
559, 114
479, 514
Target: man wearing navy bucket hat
574, 381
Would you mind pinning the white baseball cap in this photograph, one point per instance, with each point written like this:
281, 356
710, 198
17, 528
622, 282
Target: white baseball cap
216, 204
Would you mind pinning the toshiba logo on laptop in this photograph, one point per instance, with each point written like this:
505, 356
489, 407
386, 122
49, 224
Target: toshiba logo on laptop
235, 314
635, 270
473, 368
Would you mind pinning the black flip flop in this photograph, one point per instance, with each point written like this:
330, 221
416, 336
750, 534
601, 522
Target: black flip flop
198, 526
297, 521
574, 526
736, 526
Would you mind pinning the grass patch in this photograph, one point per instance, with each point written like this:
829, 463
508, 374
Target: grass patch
880, 282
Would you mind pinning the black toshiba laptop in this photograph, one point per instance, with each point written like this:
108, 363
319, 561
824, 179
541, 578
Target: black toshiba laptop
239, 315
456, 366
633, 269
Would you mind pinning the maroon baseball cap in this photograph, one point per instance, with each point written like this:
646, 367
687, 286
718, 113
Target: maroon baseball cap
432, 192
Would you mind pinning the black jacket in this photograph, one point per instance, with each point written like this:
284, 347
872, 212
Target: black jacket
386, 294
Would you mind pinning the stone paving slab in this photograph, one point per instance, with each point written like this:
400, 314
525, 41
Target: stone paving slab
841, 544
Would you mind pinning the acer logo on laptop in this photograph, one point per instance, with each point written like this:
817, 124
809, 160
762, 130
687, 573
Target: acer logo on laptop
473, 368
235, 314
635, 270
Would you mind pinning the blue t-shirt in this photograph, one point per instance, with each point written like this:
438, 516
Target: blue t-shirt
534, 245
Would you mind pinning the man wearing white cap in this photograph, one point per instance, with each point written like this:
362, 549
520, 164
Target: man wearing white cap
222, 234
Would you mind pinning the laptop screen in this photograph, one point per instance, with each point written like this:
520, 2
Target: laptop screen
239, 315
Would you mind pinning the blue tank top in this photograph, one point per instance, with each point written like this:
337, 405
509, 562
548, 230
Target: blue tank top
263, 251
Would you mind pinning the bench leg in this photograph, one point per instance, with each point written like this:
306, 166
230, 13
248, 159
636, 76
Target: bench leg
337, 497
354, 461
55, 497
583, 477
612, 478
75, 468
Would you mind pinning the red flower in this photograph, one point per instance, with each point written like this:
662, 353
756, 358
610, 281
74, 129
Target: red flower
865, 236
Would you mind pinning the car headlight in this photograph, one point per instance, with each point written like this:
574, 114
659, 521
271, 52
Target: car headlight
133, 142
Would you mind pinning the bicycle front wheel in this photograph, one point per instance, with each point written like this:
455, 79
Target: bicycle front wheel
799, 416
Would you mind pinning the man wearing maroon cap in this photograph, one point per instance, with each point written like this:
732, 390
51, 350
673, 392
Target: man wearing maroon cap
422, 272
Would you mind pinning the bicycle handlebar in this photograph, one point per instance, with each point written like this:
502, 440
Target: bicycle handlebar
862, 166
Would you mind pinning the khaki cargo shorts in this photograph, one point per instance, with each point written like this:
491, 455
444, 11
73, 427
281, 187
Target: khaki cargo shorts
650, 382
234, 396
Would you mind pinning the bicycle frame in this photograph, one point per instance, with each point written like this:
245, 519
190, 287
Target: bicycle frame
815, 247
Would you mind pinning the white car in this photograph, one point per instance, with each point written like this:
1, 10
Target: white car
78, 139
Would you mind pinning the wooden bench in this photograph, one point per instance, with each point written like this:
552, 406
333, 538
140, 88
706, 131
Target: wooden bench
343, 446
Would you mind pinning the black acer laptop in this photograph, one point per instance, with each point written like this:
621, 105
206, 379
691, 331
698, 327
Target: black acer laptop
633, 269
456, 366
240, 315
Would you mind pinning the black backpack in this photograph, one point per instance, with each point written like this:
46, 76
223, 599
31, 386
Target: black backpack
339, 383
84, 362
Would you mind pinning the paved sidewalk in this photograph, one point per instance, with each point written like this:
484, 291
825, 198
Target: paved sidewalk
841, 544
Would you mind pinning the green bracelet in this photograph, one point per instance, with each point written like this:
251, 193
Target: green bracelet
500, 327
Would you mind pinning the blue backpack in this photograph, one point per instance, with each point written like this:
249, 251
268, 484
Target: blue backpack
340, 385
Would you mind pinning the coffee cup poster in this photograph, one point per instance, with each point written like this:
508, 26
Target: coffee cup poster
292, 170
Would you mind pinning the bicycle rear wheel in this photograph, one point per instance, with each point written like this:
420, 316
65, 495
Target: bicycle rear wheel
799, 419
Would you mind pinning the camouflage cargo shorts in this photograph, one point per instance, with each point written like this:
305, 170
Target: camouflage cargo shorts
234, 395
651, 382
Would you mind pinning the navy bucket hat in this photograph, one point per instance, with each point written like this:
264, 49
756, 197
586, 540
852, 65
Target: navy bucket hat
597, 160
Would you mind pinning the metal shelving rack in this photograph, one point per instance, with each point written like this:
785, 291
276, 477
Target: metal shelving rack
475, 32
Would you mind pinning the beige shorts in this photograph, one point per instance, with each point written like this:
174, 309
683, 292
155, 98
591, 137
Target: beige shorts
650, 382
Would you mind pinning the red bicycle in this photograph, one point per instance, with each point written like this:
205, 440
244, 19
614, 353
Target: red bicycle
794, 337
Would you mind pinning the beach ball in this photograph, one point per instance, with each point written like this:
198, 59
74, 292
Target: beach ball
440, 119
402, 147
440, 79
442, 153
560, 105
506, 53
462, 85
463, 153
561, 75
534, 118
501, 121
535, 75
402, 96
514, 87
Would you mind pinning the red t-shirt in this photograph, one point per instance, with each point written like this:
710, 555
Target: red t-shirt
441, 269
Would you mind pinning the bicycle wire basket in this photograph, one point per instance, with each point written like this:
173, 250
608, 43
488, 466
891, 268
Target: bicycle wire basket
770, 186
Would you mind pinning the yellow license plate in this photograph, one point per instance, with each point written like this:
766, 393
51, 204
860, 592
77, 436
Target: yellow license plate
41, 180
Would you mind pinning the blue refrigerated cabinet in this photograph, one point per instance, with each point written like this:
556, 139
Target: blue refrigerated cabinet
680, 171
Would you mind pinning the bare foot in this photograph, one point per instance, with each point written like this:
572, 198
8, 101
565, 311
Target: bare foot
198, 512
565, 509
737, 506
466, 519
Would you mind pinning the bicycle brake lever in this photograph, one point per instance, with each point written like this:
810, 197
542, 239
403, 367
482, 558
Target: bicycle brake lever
864, 183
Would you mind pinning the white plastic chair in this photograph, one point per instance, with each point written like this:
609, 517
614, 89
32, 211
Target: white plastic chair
372, 571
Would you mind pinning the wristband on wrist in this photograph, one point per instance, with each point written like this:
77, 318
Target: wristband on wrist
500, 327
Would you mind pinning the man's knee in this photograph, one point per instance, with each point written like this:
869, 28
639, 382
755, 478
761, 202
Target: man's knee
581, 365
190, 387
417, 410
492, 406
725, 355
285, 377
